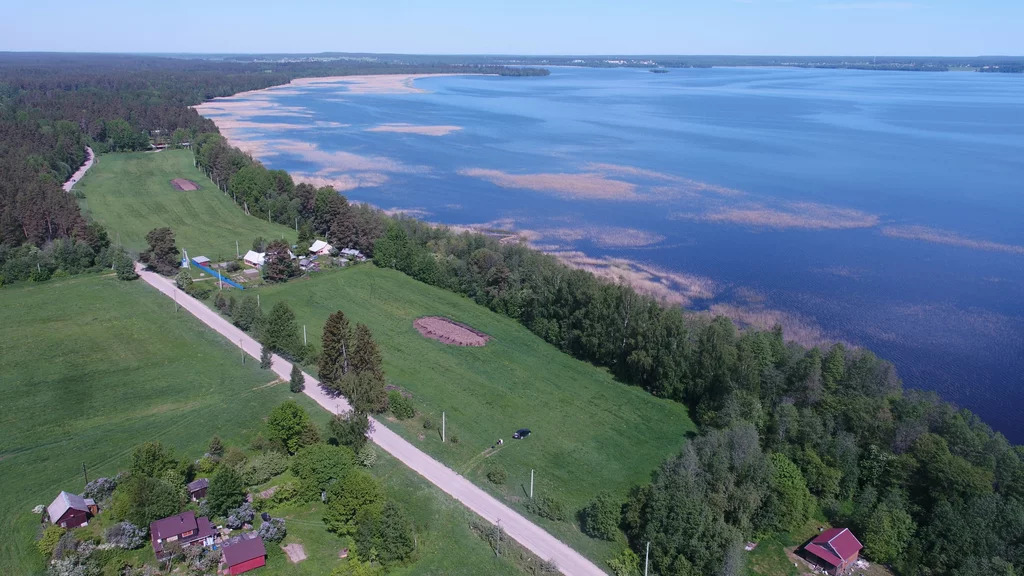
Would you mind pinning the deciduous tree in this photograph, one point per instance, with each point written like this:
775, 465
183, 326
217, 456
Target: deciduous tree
162, 255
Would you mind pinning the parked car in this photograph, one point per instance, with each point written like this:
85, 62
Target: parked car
521, 433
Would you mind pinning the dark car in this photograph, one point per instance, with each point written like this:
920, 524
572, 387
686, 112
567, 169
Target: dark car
521, 433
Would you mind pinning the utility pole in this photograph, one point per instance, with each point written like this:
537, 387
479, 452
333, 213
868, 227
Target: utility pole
304, 335
257, 300
442, 427
84, 473
531, 483
647, 557
240, 346
296, 223
238, 254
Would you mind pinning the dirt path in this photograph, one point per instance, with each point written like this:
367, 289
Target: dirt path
89, 157
531, 536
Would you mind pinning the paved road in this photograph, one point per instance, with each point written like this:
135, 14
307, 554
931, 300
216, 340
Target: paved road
520, 529
89, 157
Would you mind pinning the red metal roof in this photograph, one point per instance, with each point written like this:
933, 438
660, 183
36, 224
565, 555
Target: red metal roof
173, 526
835, 545
244, 550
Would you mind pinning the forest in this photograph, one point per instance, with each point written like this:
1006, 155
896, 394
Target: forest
788, 434
53, 105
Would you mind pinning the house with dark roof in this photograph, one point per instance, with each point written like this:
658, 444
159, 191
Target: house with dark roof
834, 550
185, 529
244, 554
197, 488
70, 510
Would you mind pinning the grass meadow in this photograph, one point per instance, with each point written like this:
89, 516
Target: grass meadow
131, 194
93, 367
590, 433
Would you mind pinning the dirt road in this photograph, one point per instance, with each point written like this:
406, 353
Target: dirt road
89, 157
483, 504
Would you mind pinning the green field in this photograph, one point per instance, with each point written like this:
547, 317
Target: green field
590, 433
131, 194
93, 367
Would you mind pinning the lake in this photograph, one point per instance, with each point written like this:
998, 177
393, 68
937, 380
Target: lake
883, 209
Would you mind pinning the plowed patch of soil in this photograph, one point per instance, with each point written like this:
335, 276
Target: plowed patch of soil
295, 551
186, 185
450, 332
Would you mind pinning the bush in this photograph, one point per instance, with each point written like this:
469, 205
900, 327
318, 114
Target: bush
273, 531
428, 424
497, 475
547, 507
125, 535
233, 266
400, 406
367, 456
240, 516
200, 291
100, 489
600, 518
48, 541
263, 467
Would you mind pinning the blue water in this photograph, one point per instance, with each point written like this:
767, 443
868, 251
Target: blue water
787, 190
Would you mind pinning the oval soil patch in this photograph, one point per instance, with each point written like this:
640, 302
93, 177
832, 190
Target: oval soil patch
449, 332
186, 185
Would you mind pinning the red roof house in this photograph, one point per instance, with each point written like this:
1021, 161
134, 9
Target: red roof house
244, 554
835, 550
197, 489
70, 510
185, 529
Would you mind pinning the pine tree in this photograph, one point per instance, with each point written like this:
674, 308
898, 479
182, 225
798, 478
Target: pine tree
365, 354
266, 361
337, 343
124, 266
281, 332
216, 448
298, 381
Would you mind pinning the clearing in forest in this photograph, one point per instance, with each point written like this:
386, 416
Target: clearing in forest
129, 195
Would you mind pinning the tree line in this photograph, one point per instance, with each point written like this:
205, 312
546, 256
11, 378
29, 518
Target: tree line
53, 105
789, 433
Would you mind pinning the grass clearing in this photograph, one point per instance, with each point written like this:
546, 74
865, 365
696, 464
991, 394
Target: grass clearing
131, 194
590, 433
92, 367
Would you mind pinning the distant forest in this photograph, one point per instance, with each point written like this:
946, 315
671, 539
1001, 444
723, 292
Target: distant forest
789, 435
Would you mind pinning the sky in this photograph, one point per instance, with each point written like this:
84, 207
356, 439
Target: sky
749, 27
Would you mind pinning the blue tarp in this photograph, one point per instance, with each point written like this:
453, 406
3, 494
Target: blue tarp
216, 274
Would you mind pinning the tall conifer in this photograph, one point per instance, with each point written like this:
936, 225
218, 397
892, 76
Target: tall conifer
337, 346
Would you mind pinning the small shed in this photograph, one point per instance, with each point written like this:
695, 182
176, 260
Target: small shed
244, 555
68, 510
197, 488
202, 261
353, 254
254, 258
320, 248
835, 550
